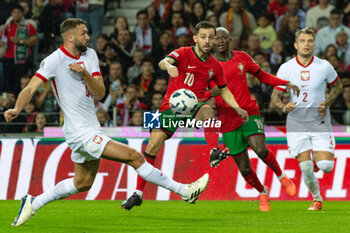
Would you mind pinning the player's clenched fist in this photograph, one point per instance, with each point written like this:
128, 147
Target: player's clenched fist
172, 71
322, 109
77, 67
289, 107
10, 114
243, 114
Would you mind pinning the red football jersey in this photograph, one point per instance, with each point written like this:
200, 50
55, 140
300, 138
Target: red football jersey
235, 70
194, 74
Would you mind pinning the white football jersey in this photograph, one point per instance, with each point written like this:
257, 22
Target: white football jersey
71, 91
312, 81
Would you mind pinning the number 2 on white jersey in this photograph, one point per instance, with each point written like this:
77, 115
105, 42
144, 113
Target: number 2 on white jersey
305, 96
189, 79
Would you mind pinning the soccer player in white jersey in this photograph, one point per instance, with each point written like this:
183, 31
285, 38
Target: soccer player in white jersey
75, 77
309, 129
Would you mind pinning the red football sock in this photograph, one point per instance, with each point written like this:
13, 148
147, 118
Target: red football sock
140, 183
254, 181
271, 162
211, 135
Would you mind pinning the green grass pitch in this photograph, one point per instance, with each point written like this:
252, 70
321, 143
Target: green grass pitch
178, 216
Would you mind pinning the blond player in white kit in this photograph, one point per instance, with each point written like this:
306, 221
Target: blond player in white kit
75, 77
309, 128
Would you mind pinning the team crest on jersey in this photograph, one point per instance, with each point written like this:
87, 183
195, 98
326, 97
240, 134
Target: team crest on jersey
305, 75
211, 73
97, 139
42, 64
241, 68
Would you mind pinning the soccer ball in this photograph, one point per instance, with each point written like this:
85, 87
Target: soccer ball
182, 102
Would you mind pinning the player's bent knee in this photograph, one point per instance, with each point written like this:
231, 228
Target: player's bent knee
208, 112
245, 171
325, 165
136, 159
260, 151
83, 185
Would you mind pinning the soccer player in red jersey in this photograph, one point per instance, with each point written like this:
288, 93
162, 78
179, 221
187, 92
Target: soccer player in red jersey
239, 135
191, 68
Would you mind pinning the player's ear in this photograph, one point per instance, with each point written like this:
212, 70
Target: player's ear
295, 45
68, 36
195, 38
71, 34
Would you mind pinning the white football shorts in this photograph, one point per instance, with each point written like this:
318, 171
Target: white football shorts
304, 136
87, 147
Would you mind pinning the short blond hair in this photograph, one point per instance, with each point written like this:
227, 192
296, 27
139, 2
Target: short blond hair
69, 24
307, 30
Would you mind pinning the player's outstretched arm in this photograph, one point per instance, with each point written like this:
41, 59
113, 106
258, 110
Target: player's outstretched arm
23, 98
215, 91
94, 84
167, 64
336, 89
231, 101
276, 102
270, 79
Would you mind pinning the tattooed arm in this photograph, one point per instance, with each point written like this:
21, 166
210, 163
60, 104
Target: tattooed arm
336, 89
276, 102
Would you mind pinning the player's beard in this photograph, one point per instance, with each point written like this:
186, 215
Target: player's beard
306, 55
80, 46
205, 53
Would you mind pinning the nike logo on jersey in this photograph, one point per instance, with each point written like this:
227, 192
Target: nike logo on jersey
191, 67
304, 86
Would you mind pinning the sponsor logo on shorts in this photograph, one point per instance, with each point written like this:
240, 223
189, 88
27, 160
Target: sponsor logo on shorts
97, 139
331, 146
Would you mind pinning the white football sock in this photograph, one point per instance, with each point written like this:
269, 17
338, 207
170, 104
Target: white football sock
138, 192
155, 176
265, 191
63, 189
282, 175
309, 177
